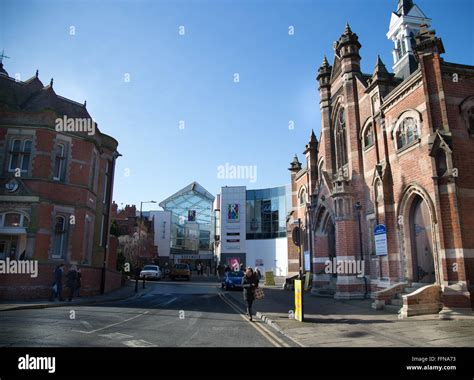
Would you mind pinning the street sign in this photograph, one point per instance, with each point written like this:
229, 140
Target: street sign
298, 301
307, 264
296, 235
380, 237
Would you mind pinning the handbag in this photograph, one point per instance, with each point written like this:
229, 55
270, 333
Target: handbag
55, 288
259, 294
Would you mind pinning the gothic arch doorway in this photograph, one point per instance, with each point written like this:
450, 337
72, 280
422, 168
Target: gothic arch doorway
421, 241
330, 231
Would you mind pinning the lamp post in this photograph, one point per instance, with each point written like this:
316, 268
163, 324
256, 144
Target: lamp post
140, 246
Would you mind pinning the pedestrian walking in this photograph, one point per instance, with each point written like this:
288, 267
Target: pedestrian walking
249, 283
57, 286
78, 283
199, 268
71, 281
258, 273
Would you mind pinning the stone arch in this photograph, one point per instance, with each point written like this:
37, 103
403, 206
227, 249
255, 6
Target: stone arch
466, 108
410, 113
413, 196
302, 192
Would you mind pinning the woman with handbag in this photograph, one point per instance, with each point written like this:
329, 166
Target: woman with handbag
249, 283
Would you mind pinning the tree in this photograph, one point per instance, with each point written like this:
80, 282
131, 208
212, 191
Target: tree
131, 245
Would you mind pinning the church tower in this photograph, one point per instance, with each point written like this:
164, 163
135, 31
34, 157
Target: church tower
405, 24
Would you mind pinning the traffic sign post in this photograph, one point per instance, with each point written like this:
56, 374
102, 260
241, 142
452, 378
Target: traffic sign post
299, 301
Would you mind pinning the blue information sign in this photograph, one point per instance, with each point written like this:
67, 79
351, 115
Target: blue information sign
380, 237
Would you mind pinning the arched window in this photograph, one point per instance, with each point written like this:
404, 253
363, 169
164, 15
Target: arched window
378, 191
369, 136
59, 237
441, 163
302, 197
340, 137
407, 132
470, 116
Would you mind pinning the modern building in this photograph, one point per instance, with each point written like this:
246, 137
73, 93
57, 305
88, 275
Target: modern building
56, 189
185, 227
390, 181
251, 227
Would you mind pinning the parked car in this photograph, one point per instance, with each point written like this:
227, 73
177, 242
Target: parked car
181, 271
151, 272
233, 280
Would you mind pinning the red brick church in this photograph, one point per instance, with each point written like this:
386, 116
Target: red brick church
396, 150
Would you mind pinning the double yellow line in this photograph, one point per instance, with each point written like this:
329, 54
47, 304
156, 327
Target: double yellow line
270, 336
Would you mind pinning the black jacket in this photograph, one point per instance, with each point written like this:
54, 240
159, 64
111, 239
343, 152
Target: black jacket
249, 284
71, 279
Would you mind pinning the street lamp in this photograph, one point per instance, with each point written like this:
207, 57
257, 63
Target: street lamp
140, 246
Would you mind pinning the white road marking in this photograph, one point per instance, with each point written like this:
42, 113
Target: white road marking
167, 302
113, 324
87, 324
138, 343
116, 336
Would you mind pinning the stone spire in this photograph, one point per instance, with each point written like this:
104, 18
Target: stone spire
295, 165
404, 6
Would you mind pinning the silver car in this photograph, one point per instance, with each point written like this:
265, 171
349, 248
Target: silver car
151, 272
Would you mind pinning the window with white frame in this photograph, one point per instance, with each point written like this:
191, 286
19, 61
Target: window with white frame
60, 237
13, 220
59, 162
20, 154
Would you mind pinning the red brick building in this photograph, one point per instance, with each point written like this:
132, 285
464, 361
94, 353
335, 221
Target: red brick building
395, 150
56, 189
127, 220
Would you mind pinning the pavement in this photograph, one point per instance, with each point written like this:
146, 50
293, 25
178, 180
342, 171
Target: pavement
342, 323
199, 313
124, 292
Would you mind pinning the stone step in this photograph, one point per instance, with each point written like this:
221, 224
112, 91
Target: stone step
393, 308
397, 302
410, 290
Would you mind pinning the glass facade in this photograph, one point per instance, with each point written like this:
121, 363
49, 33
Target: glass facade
266, 211
192, 225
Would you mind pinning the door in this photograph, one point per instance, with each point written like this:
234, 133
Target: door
422, 243
3, 250
331, 231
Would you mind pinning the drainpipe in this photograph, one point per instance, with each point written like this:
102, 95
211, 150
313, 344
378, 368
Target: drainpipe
106, 231
358, 207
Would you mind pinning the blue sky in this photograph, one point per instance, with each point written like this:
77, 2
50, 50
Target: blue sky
190, 77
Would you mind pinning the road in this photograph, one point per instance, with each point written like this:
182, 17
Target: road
170, 314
